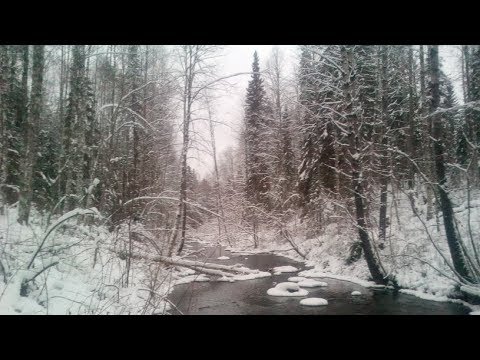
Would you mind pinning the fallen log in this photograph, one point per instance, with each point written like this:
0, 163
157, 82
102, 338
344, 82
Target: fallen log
202, 267
201, 264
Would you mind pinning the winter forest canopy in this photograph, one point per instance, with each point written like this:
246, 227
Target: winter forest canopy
361, 161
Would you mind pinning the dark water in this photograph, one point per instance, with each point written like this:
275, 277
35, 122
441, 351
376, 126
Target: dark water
249, 297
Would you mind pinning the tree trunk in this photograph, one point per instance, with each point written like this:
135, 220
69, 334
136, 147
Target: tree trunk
411, 117
219, 207
382, 236
353, 137
3, 120
73, 130
427, 131
453, 239
26, 192
183, 182
16, 121
181, 218
472, 66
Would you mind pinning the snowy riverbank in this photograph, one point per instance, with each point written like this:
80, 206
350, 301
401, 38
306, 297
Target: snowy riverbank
85, 276
410, 255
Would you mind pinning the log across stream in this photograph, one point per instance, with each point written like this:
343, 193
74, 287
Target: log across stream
249, 297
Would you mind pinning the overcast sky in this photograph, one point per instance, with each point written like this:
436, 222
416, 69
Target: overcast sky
228, 105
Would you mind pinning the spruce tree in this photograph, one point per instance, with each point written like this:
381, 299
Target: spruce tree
30, 138
14, 113
287, 168
317, 174
258, 183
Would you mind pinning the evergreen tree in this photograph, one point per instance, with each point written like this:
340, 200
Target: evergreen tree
15, 100
453, 238
287, 163
318, 160
71, 170
32, 126
256, 124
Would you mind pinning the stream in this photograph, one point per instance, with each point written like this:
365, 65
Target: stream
249, 297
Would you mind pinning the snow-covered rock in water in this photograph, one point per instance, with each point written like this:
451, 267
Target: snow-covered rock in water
356, 293
296, 279
284, 269
311, 283
223, 258
287, 289
313, 302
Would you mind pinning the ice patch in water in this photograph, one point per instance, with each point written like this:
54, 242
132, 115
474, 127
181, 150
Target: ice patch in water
356, 293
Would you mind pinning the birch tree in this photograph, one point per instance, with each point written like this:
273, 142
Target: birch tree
193, 59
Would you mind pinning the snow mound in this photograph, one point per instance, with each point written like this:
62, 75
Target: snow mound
314, 273
311, 283
257, 275
185, 272
356, 293
287, 289
192, 278
313, 302
284, 269
296, 279
251, 276
223, 258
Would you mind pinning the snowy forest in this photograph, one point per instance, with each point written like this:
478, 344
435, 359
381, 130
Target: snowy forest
349, 182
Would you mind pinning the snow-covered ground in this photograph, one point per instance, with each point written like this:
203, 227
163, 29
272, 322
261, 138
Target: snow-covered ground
80, 268
409, 255
83, 272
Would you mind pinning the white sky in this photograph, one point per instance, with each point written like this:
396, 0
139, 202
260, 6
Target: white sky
228, 106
